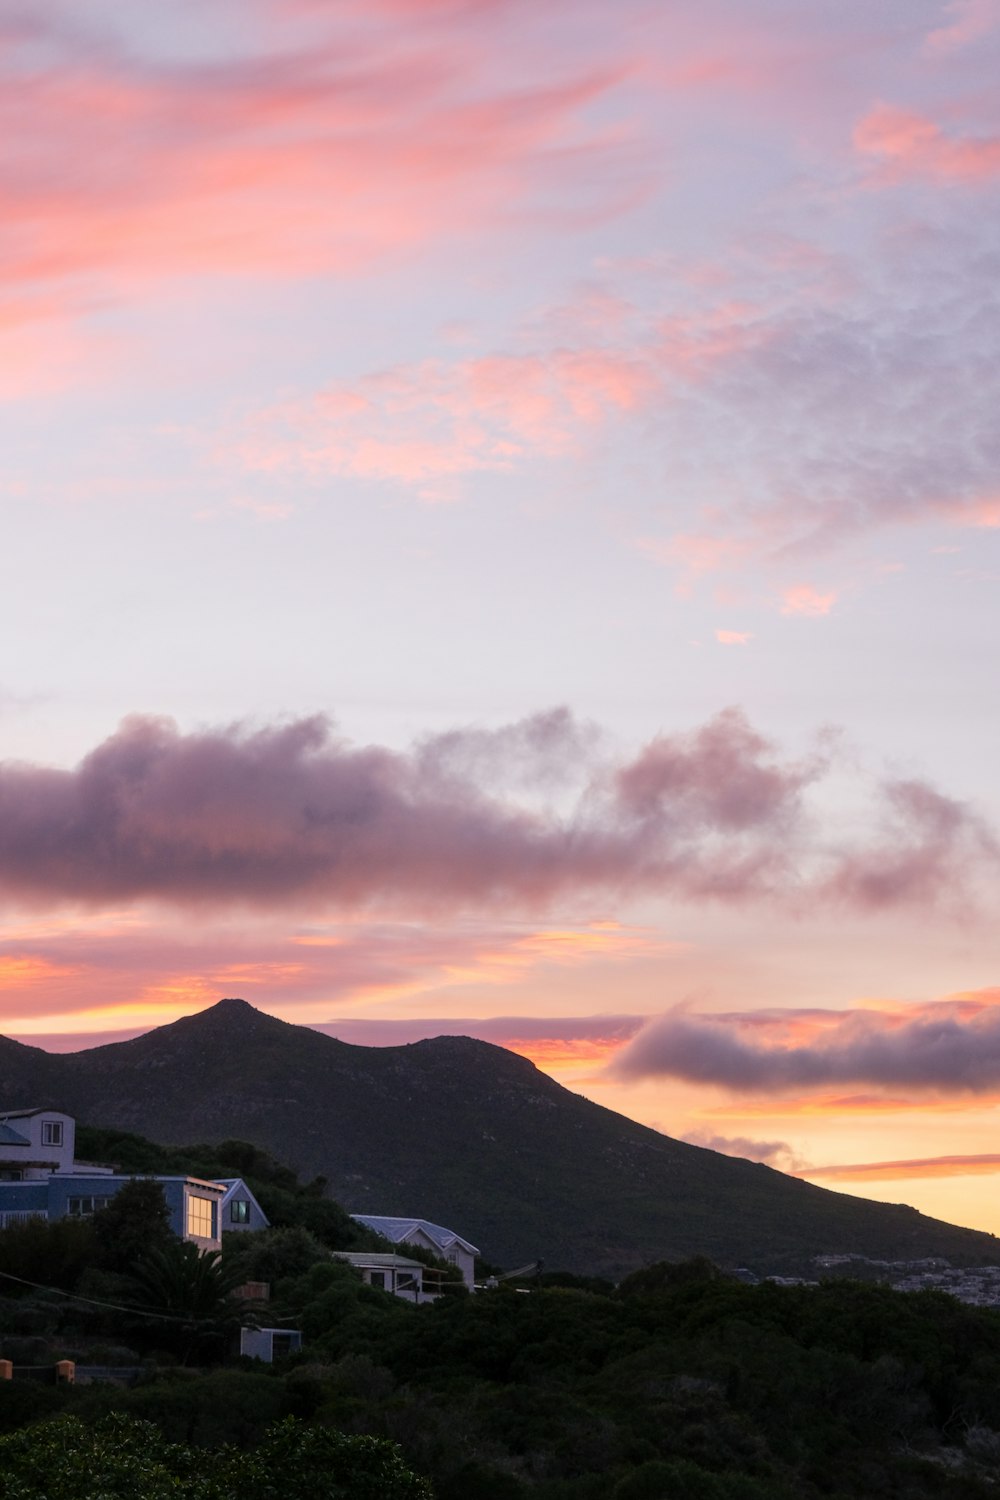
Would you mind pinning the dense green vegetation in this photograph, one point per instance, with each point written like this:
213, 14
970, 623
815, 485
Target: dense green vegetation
120, 1458
681, 1384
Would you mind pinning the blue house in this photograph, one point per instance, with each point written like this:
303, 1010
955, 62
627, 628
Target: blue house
40, 1179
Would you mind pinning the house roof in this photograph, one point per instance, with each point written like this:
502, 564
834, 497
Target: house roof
24, 1114
401, 1230
10, 1137
377, 1260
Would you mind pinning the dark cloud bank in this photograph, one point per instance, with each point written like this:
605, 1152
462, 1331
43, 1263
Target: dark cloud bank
524, 814
938, 1049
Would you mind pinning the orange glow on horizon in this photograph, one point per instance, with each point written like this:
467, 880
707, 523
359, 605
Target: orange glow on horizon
927, 1166
561, 1055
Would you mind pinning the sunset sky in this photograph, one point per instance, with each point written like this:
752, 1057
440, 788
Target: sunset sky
502, 536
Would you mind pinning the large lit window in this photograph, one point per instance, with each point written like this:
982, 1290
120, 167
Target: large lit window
201, 1218
239, 1211
52, 1132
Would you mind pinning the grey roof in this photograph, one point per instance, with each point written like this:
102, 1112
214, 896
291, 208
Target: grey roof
400, 1230
377, 1259
24, 1114
10, 1137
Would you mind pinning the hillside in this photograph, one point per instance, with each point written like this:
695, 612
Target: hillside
470, 1135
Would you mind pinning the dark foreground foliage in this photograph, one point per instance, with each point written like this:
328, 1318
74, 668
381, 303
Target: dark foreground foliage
120, 1458
683, 1383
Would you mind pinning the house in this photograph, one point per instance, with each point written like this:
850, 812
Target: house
193, 1204
35, 1142
391, 1273
442, 1242
268, 1344
41, 1179
239, 1208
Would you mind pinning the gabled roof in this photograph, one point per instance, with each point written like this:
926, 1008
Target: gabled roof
401, 1230
10, 1137
234, 1184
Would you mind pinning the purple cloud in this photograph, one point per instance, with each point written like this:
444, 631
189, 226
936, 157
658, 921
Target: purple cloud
944, 1046
294, 814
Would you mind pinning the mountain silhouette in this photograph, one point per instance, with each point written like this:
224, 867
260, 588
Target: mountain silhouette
470, 1135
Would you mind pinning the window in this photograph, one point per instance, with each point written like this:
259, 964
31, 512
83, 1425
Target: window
52, 1132
200, 1218
282, 1344
239, 1211
377, 1278
83, 1208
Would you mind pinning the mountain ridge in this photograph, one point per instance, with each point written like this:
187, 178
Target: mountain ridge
466, 1133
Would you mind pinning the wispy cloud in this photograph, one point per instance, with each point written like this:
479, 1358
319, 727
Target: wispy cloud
887, 1171
803, 599
911, 145
776, 1154
418, 424
278, 154
970, 21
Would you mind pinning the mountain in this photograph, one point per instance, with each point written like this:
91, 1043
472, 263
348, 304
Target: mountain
469, 1135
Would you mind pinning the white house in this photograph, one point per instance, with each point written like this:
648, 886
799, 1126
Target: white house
35, 1142
269, 1344
390, 1273
442, 1242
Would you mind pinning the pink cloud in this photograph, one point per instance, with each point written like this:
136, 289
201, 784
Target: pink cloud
911, 145
336, 150
295, 816
973, 19
418, 423
983, 513
803, 599
696, 555
733, 637
106, 975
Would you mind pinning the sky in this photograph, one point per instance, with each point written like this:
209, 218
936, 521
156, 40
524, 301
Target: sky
501, 535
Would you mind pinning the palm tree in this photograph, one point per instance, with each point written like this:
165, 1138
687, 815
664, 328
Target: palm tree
194, 1290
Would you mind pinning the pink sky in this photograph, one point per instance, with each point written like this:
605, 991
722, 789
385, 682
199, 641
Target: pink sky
502, 534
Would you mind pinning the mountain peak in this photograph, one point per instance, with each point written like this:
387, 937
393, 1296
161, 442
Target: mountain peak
233, 1007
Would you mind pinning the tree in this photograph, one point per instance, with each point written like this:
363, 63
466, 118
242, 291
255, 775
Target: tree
135, 1222
53, 1254
119, 1458
296, 1462
185, 1283
195, 1290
